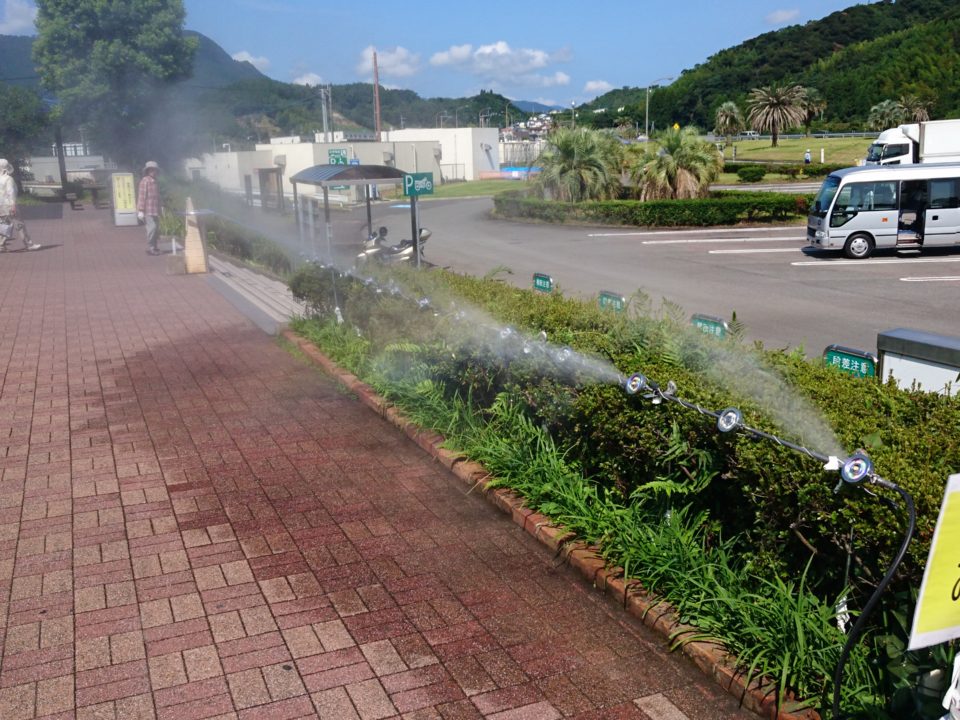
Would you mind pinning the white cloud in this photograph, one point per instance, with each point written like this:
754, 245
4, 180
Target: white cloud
308, 79
19, 17
260, 63
391, 62
780, 17
597, 87
454, 56
498, 63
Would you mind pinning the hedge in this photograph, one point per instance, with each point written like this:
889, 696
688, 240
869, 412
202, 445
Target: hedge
721, 208
816, 170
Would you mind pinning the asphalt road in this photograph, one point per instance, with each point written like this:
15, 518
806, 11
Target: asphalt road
786, 295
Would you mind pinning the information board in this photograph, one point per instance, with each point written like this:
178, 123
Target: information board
124, 199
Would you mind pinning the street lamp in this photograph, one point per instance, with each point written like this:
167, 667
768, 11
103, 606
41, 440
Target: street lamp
646, 114
456, 120
441, 116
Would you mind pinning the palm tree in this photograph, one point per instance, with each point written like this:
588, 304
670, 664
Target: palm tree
775, 108
580, 164
729, 120
813, 104
682, 167
886, 114
915, 109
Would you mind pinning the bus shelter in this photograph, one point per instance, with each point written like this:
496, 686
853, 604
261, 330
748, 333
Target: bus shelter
328, 176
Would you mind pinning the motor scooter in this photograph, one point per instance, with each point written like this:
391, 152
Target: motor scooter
376, 249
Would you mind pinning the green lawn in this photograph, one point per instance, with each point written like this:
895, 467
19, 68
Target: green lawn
836, 151
476, 187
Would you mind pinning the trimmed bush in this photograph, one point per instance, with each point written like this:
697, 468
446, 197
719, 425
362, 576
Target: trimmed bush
721, 208
751, 173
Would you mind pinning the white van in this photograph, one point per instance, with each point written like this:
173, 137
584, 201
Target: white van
905, 206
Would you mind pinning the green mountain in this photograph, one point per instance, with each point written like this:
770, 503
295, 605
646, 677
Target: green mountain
213, 67
854, 57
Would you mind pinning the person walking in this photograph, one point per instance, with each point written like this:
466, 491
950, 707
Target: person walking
148, 205
11, 224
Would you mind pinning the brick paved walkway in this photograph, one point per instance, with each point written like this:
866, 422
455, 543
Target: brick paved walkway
194, 523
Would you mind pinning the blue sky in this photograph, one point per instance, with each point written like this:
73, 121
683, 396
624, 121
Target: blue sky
555, 52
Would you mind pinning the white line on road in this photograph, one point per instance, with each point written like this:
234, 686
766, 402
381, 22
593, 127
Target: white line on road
932, 278
868, 263
691, 232
697, 241
750, 251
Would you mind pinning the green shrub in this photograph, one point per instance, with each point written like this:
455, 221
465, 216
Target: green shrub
721, 208
773, 537
751, 173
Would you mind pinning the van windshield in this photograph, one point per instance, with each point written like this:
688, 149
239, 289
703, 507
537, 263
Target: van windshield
825, 197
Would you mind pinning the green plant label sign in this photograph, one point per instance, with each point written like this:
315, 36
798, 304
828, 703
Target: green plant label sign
611, 300
543, 283
850, 361
709, 325
337, 156
416, 184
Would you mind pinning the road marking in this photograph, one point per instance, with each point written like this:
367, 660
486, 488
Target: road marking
696, 241
867, 263
688, 232
943, 278
749, 251
658, 707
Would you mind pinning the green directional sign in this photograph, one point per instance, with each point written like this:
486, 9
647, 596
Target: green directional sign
611, 300
337, 156
542, 282
850, 361
709, 325
417, 184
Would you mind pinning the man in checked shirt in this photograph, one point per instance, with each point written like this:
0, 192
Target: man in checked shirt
148, 205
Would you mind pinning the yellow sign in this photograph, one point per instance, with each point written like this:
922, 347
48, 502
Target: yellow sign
937, 617
124, 198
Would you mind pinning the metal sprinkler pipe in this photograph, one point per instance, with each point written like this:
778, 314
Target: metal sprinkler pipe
856, 470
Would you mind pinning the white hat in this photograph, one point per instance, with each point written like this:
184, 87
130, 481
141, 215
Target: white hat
151, 165
5, 166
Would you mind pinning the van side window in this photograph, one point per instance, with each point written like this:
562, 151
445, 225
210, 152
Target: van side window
870, 196
943, 193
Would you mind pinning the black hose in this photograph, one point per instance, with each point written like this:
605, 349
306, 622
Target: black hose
875, 597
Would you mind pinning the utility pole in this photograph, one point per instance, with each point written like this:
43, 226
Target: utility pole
376, 97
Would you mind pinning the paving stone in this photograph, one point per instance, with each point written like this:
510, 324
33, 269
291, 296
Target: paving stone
194, 523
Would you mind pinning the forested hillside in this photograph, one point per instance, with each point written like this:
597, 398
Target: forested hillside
855, 58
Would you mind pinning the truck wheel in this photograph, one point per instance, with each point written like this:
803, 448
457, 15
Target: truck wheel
858, 247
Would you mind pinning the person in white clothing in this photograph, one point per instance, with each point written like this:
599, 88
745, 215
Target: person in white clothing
10, 224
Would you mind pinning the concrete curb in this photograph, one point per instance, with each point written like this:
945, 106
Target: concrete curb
655, 613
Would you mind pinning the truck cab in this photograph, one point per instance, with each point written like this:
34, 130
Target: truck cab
892, 147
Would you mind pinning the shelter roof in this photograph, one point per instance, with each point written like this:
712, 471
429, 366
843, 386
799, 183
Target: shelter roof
329, 175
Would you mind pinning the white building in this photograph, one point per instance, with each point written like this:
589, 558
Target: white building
465, 153
260, 174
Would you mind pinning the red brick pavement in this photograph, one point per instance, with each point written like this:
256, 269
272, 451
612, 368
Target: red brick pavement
194, 524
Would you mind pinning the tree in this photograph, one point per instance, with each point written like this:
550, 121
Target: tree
580, 164
886, 114
682, 167
109, 63
915, 109
729, 120
22, 122
774, 108
813, 104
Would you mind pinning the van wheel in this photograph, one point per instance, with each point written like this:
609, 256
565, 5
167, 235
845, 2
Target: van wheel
858, 247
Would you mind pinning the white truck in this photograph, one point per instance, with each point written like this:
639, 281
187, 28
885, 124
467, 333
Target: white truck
933, 141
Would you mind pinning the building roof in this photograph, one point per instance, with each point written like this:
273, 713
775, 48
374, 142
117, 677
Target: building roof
329, 175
